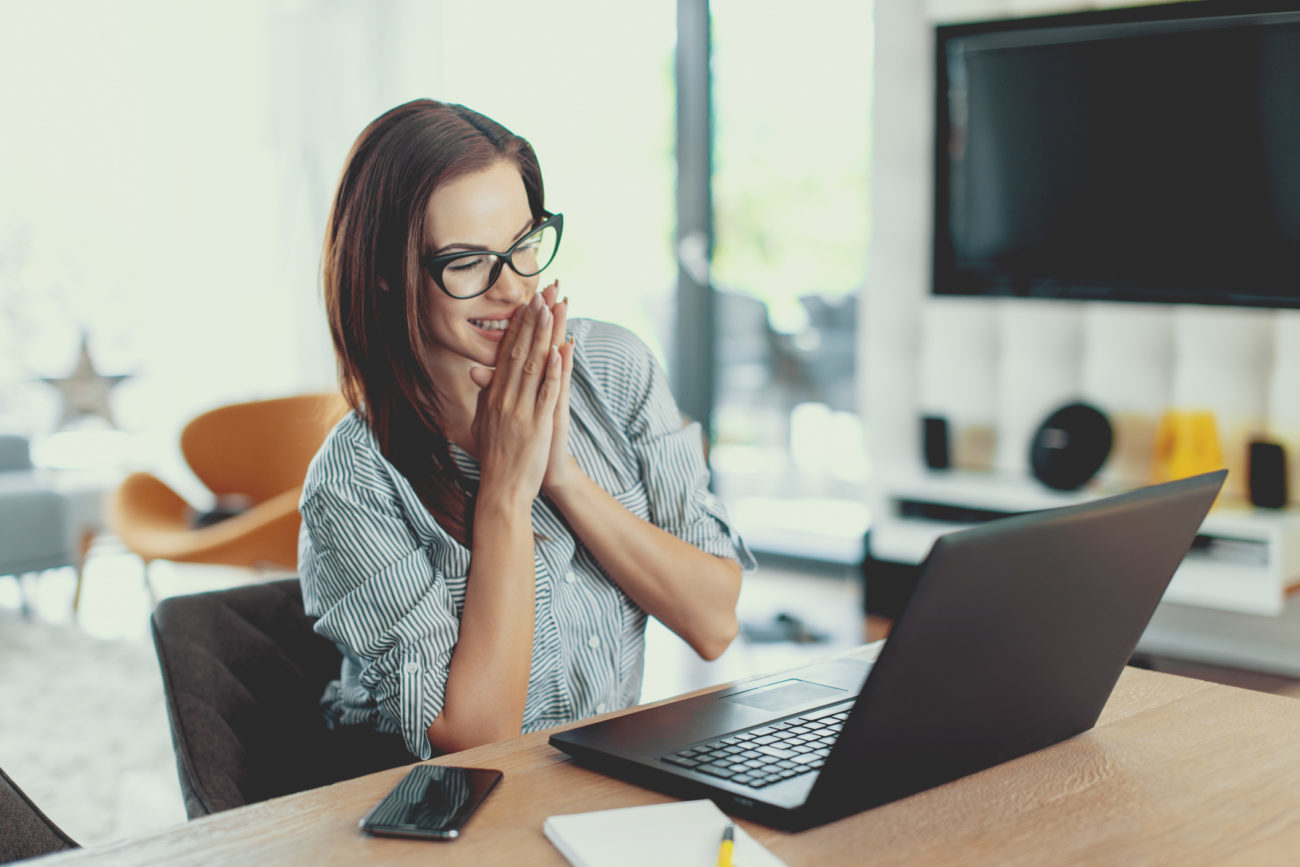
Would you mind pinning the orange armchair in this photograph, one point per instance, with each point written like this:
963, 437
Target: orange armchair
257, 451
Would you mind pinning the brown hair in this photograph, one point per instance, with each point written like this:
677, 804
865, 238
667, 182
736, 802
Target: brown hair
378, 313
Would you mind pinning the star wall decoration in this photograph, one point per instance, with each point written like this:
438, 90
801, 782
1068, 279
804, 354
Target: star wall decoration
85, 390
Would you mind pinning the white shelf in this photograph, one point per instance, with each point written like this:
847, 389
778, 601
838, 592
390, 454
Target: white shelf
1230, 638
1245, 561
1006, 492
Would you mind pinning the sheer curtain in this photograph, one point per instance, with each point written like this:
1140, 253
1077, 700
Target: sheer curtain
167, 170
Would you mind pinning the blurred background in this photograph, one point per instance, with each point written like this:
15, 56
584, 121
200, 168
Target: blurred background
167, 170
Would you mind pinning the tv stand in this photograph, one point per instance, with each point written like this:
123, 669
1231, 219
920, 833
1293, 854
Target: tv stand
1230, 602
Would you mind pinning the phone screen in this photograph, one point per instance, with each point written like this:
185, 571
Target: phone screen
432, 801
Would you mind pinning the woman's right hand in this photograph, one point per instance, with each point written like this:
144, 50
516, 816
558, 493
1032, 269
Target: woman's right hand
515, 418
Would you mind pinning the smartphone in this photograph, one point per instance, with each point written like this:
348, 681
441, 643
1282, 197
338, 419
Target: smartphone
432, 802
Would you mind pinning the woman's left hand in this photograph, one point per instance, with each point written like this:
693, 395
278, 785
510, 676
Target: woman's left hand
561, 465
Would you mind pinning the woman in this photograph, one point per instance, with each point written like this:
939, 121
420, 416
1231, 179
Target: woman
513, 491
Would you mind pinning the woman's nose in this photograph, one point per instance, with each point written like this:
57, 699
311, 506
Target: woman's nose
511, 288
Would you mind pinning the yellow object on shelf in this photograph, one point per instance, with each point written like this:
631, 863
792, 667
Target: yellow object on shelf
1187, 444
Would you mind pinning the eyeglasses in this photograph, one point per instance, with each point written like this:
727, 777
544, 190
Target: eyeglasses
470, 273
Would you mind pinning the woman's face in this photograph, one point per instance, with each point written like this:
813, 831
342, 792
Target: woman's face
486, 210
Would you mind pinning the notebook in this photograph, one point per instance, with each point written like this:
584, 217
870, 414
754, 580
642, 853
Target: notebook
1014, 637
680, 834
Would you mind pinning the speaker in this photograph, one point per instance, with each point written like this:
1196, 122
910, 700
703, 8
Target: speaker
1070, 446
1267, 473
934, 442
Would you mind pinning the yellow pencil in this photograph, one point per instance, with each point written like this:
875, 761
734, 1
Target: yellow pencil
728, 841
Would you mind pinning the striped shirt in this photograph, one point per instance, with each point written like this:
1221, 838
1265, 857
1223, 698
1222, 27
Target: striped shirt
388, 583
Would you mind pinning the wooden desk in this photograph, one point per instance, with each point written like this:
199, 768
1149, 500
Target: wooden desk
1177, 771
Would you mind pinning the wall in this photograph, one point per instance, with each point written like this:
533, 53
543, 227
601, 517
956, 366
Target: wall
1006, 363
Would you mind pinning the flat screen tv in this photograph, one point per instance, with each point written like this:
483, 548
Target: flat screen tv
1146, 154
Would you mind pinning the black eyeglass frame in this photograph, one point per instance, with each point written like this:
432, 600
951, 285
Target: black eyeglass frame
435, 265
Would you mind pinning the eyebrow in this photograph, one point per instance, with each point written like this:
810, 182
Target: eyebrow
459, 246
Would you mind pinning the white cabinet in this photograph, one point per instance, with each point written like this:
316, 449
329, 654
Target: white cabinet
1227, 602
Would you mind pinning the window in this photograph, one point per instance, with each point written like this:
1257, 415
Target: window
792, 105
597, 106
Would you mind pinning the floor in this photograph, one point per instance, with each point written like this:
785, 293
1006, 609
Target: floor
84, 731
819, 605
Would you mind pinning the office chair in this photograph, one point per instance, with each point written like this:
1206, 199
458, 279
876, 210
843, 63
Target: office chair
243, 674
26, 832
256, 452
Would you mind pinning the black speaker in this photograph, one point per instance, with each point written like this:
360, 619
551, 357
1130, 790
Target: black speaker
934, 442
1267, 472
1070, 446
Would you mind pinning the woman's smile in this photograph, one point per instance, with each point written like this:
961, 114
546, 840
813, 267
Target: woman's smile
491, 329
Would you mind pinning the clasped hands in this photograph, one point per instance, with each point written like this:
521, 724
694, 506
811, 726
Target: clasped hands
521, 424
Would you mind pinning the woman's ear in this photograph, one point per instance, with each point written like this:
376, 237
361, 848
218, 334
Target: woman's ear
383, 285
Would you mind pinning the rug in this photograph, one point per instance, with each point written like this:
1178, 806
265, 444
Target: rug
84, 731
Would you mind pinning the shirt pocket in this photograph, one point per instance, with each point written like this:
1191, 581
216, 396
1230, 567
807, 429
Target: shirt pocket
603, 453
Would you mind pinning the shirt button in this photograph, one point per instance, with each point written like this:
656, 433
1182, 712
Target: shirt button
411, 667
601, 708
593, 642
568, 577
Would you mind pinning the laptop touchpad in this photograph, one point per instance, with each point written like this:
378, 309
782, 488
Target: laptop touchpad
783, 694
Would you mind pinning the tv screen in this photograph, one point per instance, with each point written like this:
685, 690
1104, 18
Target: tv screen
1140, 155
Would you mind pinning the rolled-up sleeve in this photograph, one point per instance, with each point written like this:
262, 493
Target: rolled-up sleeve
676, 478
380, 599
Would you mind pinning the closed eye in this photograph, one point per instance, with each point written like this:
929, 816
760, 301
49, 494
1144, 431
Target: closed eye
467, 263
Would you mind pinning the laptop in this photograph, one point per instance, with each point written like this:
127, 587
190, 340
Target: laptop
1014, 637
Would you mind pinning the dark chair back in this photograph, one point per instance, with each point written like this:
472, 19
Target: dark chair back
26, 832
243, 674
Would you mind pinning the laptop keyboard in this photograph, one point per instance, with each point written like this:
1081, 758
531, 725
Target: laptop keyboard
768, 754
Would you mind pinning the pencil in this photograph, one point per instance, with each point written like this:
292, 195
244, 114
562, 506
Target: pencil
728, 842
